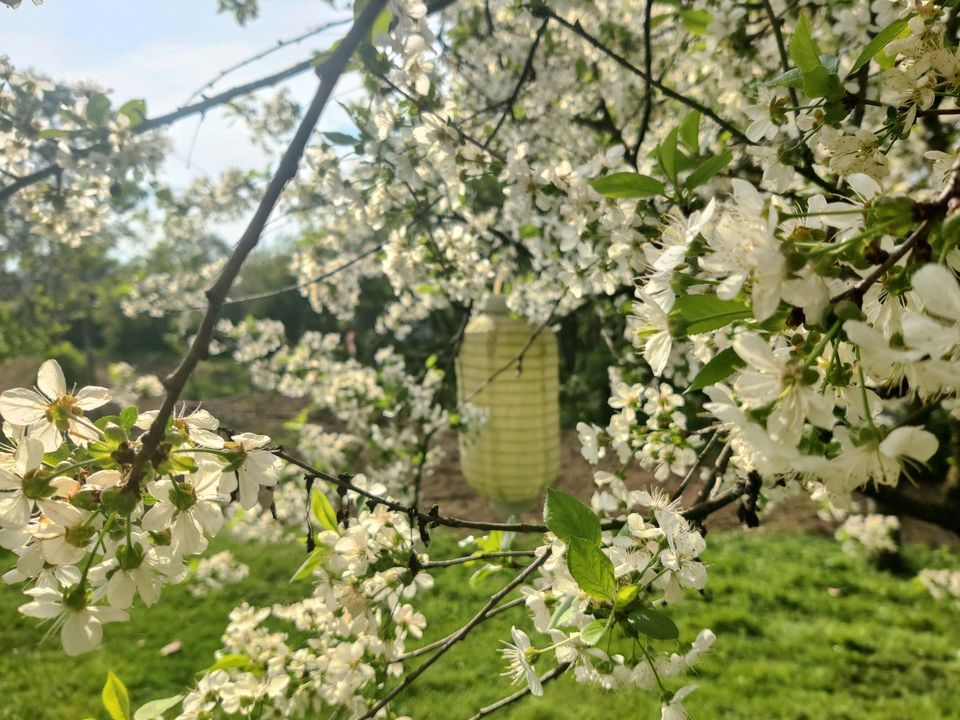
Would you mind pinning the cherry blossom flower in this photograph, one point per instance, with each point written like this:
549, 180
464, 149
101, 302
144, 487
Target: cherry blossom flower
81, 624
517, 656
50, 411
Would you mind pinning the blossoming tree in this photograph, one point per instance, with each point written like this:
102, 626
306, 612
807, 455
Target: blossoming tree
757, 201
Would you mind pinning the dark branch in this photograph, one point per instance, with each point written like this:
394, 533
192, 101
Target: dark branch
526, 73
330, 72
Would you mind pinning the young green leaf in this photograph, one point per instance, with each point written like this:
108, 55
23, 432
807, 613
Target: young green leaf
128, 416
791, 78
156, 708
627, 185
116, 700
568, 518
135, 111
655, 624
626, 595
879, 42
563, 611
689, 132
668, 155
803, 48
707, 169
382, 23
229, 662
339, 138
717, 370
311, 563
693, 314
696, 22
821, 83
592, 570
323, 511
592, 632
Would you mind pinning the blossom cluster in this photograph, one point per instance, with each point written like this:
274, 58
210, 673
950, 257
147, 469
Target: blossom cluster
342, 643
87, 540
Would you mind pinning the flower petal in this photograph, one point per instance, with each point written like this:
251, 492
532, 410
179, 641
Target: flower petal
51, 381
22, 406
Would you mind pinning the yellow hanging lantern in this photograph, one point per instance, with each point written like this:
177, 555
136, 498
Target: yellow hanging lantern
515, 454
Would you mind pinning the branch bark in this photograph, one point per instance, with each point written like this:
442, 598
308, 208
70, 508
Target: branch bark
330, 72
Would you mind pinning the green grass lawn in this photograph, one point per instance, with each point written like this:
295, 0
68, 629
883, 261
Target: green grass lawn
804, 632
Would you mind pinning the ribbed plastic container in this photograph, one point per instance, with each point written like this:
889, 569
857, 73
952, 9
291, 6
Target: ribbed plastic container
515, 455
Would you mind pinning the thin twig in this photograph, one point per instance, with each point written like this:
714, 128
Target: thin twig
719, 467
148, 124
296, 286
424, 649
472, 558
434, 518
524, 74
518, 358
578, 29
523, 692
648, 80
457, 636
693, 469
278, 45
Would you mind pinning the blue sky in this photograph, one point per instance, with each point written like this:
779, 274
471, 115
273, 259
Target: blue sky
162, 50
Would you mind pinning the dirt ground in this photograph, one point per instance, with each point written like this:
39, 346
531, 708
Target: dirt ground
447, 488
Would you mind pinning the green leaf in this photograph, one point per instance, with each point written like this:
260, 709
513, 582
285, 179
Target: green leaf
115, 698
135, 111
229, 662
717, 370
562, 612
668, 155
339, 138
592, 570
803, 49
791, 78
626, 595
128, 416
98, 108
323, 511
51, 134
483, 573
707, 169
156, 708
655, 624
821, 83
690, 131
313, 561
694, 314
568, 518
382, 23
627, 185
696, 22
592, 632
879, 42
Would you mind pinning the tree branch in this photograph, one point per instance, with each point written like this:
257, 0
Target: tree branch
579, 30
457, 636
544, 679
168, 119
472, 558
424, 649
524, 74
278, 45
330, 72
